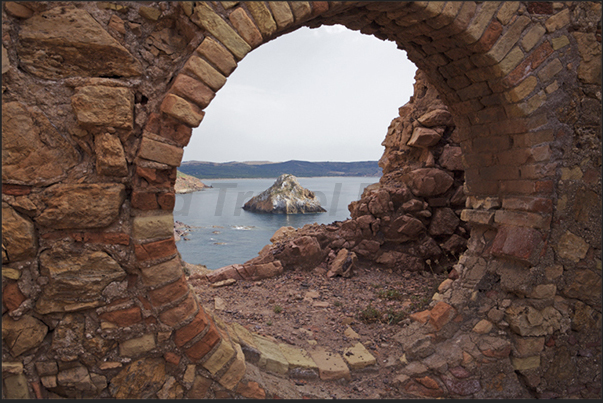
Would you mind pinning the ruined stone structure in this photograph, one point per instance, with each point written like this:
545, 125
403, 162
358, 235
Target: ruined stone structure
99, 98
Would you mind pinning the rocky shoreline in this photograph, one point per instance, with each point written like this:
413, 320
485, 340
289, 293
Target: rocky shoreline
285, 196
188, 184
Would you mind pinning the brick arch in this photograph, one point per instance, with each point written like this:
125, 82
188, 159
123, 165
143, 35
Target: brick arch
502, 68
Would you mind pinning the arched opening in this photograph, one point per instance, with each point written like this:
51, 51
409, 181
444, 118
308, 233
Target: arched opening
95, 303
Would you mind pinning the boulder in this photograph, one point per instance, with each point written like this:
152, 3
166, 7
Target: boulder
436, 117
444, 222
285, 196
426, 182
343, 265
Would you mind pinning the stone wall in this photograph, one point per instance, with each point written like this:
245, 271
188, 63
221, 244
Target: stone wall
99, 98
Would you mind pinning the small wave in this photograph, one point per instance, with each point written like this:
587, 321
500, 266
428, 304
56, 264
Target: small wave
243, 227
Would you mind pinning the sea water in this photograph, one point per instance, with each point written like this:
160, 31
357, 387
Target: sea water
223, 233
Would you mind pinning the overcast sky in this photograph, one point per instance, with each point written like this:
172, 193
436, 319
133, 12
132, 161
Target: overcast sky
324, 94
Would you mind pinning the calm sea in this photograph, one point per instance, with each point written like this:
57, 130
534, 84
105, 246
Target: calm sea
225, 234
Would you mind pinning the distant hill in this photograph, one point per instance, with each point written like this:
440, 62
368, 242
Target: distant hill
264, 169
188, 184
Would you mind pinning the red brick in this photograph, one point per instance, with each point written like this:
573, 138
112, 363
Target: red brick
132, 279
161, 178
488, 39
15, 190
151, 320
527, 187
145, 303
12, 297
482, 188
169, 293
528, 65
188, 332
172, 358
441, 314
123, 317
522, 243
155, 250
144, 200
169, 128
319, 7
204, 346
166, 200
179, 313
526, 203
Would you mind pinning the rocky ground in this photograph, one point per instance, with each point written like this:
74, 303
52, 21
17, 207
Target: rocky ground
307, 309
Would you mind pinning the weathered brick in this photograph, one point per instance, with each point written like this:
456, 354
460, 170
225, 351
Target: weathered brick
160, 152
193, 90
522, 219
205, 72
478, 160
481, 187
220, 356
166, 200
514, 156
161, 273
144, 200
319, 7
110, 238
527, 107
447, 15
169, 128
522, 90
533, 204
532, 37
181, 312
489, 115
490, 144
172, 358
282, 13
301, 10
479, 23
217, 55
482, 217
513, 58
155, 250
558, 21
262, 17
522, 243
549, 71
526, 187
188, 332
507, 11
500, 172
488, 39
476, 90
560, 42
182, 110
206, 18
529, 64
169, 293
123, 317
246, 28
540, 7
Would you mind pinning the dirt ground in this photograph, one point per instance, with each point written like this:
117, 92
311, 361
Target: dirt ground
300, 306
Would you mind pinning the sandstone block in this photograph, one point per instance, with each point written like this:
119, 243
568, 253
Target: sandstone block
263, 17
518, 242
441, 314
12, 297
451, 158
17, 10
18, 235
26, 159
297, 358
181, 110
75, 281
156, 250
140, 379
110, 156
137, 346
522, 219
205, 72
168, 293
245, 26
532, 37
589, 70
206, 18
104, 106
193, 90
23, 334
358, 357
330, 365
217, 55
482, 327
436, 117
220, 356
560, 42
426, 182
282, 13
81, 205
168, 127
150, 13
301, 9
123, 317
236, 371
160, 152
160, 226
586, 286
558, 20
74, 37
424, 137
15, 387
479, 23
523, 364
271, 357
